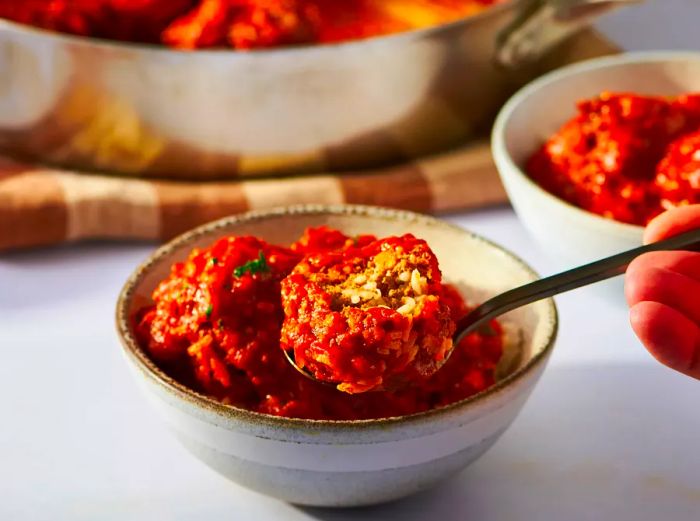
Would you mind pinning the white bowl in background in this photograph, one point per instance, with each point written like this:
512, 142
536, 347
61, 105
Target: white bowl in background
538, 110
347, 463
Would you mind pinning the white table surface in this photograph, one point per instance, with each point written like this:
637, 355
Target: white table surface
608, 434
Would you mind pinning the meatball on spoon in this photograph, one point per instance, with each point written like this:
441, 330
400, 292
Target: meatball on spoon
521, 296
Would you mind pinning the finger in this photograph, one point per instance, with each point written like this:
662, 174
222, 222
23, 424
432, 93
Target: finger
671, 337
667, 287
673, 222
684, 262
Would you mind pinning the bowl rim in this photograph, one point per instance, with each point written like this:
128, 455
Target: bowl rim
181, 392
104, 43
505, 161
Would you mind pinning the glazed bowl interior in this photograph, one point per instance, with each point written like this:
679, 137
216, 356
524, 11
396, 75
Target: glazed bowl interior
477, 267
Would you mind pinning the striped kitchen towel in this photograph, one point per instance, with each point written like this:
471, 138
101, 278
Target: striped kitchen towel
42, 206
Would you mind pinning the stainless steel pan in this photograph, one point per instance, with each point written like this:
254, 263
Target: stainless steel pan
140, 110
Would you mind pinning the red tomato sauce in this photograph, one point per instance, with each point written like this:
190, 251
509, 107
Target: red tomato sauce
240, 24
216, 326
625, 156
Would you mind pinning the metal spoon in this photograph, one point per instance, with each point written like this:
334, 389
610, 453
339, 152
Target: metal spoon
541, 289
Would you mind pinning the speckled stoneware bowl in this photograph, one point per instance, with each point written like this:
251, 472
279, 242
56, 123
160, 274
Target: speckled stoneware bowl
348, 463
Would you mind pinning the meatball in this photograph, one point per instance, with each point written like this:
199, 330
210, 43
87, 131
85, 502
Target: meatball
370, 317
603, 160
678, 174
219, 314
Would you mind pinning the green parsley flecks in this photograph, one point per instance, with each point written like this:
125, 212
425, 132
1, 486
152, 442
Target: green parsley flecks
258, 265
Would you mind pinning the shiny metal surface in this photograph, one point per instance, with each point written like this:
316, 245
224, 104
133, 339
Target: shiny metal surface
139, 110
540, 24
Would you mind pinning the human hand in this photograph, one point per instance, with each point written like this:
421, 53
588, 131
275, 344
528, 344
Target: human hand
663, 292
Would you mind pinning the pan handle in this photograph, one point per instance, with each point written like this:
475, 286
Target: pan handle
541, 24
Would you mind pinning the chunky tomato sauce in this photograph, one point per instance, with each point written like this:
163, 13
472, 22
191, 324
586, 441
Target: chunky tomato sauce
625, 156
241, 24
218, 325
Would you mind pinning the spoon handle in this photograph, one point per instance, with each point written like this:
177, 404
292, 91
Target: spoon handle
575, 278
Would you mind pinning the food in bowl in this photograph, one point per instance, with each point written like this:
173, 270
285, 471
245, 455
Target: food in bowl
240, 24
221, 319
348, 463
625, 156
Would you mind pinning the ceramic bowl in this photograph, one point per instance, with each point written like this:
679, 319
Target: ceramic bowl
348, 463
576, 236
